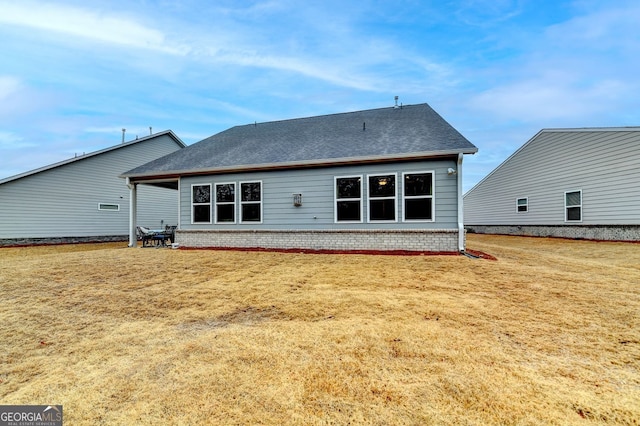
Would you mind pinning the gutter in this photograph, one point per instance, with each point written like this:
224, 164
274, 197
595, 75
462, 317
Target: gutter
297, 164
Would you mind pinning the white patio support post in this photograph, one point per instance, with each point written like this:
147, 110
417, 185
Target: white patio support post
461, 247
133, 213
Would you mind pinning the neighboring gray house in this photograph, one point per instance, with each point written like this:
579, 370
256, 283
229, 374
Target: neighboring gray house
381, 179
83, 198
572, 183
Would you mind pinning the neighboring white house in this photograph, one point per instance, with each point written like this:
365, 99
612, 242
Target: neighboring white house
83, 198
571, 183
381, 179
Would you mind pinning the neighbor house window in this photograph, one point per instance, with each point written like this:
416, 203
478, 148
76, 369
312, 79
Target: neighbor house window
418, 196
201, 203
225, 203
348, 195
382, 198
107, 206
522, 205
251, 201
573, 206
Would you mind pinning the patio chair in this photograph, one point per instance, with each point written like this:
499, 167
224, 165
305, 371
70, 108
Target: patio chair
170, 232
146, 235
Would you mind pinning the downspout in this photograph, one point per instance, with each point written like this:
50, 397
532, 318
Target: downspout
460, 206
179, 209
133, 213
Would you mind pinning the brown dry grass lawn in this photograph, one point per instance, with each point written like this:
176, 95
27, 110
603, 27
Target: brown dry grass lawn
547, 334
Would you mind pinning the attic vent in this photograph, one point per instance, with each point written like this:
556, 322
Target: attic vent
396, 99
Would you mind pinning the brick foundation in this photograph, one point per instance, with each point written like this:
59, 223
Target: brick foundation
433, 240
583, 232
17, 242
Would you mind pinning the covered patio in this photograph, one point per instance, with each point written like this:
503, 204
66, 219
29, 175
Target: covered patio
150, 237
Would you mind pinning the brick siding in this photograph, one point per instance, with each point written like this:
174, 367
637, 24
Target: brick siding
438, 240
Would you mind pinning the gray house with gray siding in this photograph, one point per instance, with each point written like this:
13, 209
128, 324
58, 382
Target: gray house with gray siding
83, 198
571, 183
381, 179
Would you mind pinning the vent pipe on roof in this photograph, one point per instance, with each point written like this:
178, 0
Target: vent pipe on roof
150, 131
396, 99
123, 132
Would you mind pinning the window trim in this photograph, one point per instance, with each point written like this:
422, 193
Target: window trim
193, 204
567, 207
216, 203
394, 198
335, 199
526, 205
415, 197
100, 208
250, 202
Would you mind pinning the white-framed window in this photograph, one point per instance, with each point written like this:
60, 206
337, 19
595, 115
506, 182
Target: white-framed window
109, 207
382, 200
225, 202
573, 206
201, 203
348, 198
251, 202
522, 205
418, 196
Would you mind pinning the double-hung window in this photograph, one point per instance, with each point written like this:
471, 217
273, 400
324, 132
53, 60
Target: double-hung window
573, 206
251, 202
382, 198
522, 205
418, 196
225, 203
201, 203
348, 197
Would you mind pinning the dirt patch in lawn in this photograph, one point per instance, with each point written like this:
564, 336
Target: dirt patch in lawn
546, 334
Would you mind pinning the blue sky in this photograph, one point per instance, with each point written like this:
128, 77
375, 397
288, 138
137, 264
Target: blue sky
74, 73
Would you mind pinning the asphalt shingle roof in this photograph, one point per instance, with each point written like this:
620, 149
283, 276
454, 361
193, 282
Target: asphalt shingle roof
327, 139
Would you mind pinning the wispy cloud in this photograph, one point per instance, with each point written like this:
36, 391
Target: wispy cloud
8, 86
487, 13
571, 75
18, 99
615, 25
10, 140
550, 99
309, 67
310, 44
84, 23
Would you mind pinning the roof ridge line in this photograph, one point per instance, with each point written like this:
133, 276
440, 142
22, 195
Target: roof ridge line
328, 115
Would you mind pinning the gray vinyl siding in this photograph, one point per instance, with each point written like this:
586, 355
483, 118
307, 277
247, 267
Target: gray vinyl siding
317, 189
63, 201
157, 207
604, 164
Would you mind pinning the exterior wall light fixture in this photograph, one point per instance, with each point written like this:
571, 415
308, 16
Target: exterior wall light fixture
297, 200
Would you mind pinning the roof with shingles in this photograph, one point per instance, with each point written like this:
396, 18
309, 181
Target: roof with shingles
385, 134
84, 156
